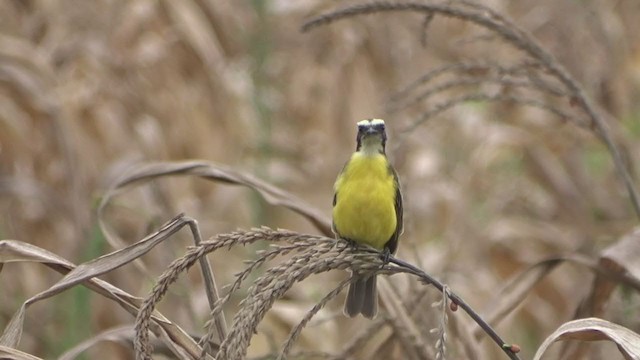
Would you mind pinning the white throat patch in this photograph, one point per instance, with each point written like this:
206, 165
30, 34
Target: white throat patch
371, 145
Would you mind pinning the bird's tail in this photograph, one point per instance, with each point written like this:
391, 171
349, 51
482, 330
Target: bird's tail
362, 297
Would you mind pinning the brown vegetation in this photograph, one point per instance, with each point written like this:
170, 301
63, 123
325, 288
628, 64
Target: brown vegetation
515, 130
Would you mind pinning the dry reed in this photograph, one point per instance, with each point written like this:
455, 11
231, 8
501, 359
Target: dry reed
511, 199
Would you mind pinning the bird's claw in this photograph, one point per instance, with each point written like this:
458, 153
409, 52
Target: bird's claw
351, 243
386, 255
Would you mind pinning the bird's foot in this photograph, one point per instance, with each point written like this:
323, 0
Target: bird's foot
386, 255
351, 243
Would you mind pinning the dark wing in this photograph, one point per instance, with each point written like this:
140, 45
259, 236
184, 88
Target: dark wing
335, 200
392, 244
333, 223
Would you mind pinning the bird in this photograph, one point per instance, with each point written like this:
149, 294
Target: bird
367, 209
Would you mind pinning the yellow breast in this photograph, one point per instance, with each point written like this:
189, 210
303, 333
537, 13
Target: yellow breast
365, 203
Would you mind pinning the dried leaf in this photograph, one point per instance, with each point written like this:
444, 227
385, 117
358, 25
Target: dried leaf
625, 253
594, 329
116, 259
519, 287
620, 258
7, 353
118, 334
198, 33
214, 172
29, 72
12, 251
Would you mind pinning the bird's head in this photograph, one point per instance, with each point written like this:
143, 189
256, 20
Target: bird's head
372, 136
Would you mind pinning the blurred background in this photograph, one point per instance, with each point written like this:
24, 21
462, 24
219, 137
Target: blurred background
92, 89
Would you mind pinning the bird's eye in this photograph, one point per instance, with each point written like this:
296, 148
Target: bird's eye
363, 124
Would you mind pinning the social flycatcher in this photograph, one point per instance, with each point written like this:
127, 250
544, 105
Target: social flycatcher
367, 209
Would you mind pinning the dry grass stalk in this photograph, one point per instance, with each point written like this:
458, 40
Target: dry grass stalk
412, 346
182, 264
264, 256
86, 274
359, 341
462, 335
295, 332
455, 101
505, 29
441, 330
325, 256
144, 173
406, 328
211, 289
77, 102
309, 255
473, 73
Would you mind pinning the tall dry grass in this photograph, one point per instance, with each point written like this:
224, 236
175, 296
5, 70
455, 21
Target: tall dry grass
512, 198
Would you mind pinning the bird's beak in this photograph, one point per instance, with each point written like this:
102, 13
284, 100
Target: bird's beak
371, 131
